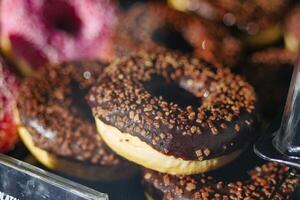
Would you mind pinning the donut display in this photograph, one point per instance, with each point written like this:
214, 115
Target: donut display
173, 114
292, 29
57, 125
147, 100
155, 26
63, 30
257, 21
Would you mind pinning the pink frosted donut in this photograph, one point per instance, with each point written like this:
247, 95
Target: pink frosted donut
8, 91
41, 31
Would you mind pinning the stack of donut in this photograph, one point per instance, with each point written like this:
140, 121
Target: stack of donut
180, 117
177, 116
162, 96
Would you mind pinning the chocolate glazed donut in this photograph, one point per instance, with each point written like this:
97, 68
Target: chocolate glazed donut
155, 26
172, 113
57, 125
267, 181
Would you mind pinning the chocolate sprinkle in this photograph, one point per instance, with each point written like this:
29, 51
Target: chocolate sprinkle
148, 96
52, 107
267, 181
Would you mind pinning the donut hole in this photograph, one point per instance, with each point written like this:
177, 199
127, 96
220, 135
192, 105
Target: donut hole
79, 103
61, 16
170, 91
171, 38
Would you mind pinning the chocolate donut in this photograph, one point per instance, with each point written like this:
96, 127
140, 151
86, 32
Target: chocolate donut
155, 26
172, 113
57, 125
258, 22
277, 64
292, 29
266, 181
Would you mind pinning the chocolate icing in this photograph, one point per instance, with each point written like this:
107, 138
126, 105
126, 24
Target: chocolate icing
246, 178
221, 121
52, 107
156, 26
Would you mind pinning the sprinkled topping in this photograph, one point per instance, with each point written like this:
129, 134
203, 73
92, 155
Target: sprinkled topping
190, 186
262, 182
206, 152
153, 98
52, 107
199, 154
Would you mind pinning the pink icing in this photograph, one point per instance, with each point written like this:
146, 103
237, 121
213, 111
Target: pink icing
57, 30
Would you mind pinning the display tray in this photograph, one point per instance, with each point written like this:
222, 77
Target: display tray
20, 180
132, 189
